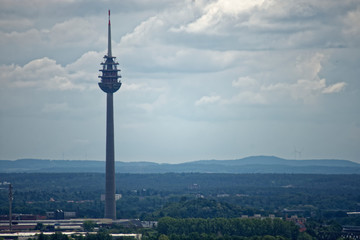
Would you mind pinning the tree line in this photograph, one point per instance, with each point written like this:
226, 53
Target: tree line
228, 227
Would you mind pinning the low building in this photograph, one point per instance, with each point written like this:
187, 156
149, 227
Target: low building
299, 221
117, 197
60, 214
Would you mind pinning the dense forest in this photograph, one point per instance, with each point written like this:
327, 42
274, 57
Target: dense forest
151, 196
323, 200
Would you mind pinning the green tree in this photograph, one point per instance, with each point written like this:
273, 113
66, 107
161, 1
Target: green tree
40, 227
88, 225
98, 236
304, 236
43, 237
58, 236
163, 237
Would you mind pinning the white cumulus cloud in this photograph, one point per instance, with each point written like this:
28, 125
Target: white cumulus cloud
337, 87
306, 88
41, 73
245, 82
207, 100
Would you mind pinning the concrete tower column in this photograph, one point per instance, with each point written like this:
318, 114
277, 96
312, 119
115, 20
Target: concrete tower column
109, 84
110, 204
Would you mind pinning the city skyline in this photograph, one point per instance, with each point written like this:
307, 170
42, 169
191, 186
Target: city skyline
204, 79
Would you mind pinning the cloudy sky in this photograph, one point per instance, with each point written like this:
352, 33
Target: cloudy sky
202, 79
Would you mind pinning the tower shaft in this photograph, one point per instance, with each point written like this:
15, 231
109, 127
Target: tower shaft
110, 204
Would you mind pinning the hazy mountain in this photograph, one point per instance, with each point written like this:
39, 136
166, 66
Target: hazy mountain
255, 164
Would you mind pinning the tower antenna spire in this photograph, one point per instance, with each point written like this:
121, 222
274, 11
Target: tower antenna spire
109, 38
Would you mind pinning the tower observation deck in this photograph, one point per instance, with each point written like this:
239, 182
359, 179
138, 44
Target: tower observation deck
110, 74
109, 84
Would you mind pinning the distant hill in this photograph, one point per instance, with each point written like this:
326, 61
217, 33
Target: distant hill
255, 164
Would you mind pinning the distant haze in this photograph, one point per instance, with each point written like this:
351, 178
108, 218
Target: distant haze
219, 79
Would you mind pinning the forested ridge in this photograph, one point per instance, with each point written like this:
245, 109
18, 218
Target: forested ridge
253, 164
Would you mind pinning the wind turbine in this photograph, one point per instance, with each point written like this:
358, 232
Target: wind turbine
297, 153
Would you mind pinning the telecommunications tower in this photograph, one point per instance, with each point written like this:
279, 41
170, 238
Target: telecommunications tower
110, 83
